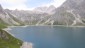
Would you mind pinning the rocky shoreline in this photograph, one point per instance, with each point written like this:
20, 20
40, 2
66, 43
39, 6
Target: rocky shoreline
27, 45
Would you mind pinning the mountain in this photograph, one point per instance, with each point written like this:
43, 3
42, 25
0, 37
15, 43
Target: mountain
1, 10
45, 9
77, 6
5, 17
70, 13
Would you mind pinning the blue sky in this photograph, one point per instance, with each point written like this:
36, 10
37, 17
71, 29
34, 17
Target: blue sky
36, 3
29, 4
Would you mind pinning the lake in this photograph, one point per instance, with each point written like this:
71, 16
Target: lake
51, 36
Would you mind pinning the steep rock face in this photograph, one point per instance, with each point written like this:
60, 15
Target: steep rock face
3, 35
78, 6
1, 10
71, 13
5, 17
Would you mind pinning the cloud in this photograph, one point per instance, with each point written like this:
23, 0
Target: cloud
58, 3
21, 4
14, 4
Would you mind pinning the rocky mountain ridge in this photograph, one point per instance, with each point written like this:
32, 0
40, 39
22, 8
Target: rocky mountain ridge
70, 13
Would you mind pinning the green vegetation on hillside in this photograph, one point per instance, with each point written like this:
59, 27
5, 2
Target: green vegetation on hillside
2, 24
8, 41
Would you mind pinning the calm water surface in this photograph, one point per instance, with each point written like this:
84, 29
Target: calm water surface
51, 37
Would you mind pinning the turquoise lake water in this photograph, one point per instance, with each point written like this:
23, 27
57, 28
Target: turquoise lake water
51, 36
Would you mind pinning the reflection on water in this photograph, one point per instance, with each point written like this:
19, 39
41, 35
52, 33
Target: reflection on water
51, 37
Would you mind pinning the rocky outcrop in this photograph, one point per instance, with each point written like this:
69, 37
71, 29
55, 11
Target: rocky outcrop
3, 35
27, 45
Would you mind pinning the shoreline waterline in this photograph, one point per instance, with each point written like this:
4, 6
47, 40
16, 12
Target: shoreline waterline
9, 27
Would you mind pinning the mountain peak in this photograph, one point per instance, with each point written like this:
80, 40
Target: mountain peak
1, 10
45, 9
1, 7
52, 6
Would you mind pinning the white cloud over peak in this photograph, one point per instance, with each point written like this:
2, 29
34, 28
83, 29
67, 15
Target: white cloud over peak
58, 3
21, 4
14, 4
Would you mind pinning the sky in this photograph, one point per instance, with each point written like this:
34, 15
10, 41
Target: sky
29, 4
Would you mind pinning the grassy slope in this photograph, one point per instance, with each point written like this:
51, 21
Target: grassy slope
2, 24
11, 42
